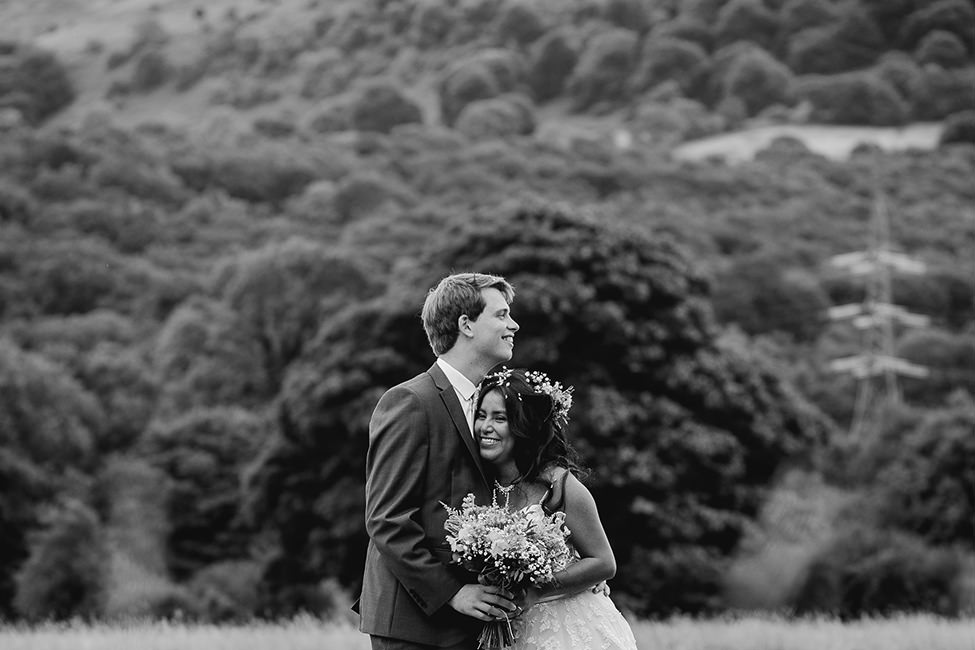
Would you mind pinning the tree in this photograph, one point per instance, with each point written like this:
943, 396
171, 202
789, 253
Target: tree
507, 115
959, 127
797, 15
664, 59
746, 20
381, 105
955, 16
603, 69
281, 293
64, 577
521, 23
486, 74
36, 84
203, 453
852, 41
853, 98
868, 571
48, 428
682, 434
552, 60
942, 48
929, 488
759, 81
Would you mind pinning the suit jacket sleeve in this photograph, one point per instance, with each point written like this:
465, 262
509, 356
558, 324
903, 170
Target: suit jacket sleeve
396, 469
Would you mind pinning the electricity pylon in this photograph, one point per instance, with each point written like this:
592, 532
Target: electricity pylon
875, 317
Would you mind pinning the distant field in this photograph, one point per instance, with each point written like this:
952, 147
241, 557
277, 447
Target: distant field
905, 633
831, 141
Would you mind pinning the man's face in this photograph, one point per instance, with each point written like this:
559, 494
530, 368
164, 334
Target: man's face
494, 329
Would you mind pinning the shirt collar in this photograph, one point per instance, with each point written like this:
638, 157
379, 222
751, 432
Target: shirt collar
461, 384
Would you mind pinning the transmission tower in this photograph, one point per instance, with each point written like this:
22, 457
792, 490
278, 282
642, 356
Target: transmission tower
875, 367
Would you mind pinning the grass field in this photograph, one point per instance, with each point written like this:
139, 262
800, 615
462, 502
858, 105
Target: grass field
903, 633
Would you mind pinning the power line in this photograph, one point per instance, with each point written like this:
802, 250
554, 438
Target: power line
875, 317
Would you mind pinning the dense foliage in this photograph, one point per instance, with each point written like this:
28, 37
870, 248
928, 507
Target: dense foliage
195, 323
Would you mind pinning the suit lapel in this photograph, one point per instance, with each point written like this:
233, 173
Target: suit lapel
456, 411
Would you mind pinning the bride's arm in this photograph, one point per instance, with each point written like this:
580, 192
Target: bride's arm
589, 538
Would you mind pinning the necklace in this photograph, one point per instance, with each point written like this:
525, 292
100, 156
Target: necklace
504, 490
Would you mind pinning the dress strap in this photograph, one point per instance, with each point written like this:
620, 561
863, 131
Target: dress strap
554, 499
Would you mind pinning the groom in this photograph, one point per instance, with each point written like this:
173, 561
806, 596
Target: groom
422, 452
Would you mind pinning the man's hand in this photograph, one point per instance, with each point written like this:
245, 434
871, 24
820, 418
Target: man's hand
484, 602
601, 588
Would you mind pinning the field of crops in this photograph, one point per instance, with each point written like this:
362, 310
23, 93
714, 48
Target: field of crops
902, 633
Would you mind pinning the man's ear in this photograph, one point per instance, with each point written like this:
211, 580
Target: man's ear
464, 326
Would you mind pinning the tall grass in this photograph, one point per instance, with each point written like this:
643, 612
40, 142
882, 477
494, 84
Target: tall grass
898, 633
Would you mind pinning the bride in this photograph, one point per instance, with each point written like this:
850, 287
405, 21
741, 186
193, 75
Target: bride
520, 427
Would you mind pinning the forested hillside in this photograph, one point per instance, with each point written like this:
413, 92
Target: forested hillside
212, 259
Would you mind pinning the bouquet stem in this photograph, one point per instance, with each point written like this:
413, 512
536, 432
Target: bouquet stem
495, 635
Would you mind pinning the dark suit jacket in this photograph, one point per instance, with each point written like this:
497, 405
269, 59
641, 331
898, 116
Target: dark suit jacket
420, 453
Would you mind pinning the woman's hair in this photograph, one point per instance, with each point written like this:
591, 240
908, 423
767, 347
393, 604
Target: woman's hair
537, 417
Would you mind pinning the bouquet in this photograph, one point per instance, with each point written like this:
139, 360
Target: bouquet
512, 550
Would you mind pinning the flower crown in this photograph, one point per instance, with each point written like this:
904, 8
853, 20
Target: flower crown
541, 384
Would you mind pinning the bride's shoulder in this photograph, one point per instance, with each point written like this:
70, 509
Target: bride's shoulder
552, 473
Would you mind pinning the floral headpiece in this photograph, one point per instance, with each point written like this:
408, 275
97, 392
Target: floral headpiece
541, 384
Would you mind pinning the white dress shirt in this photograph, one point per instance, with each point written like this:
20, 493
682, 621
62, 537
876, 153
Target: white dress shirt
463, 387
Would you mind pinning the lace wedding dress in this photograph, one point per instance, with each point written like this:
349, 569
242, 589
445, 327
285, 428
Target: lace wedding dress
582, 621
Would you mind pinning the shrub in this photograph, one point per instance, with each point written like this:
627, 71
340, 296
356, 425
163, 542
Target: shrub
889, 15
704, 11
334, 116
867, 571
506, 115
269, 174
486, 74
202, 453
762, 296
903, 73
852, 41
942, 48
551, 62
797, 15
759, 81
228, 590
143, 181
955, 16
746, 20
944, 92
521, 23
604, 69
684, 29
151, 71
959, 127
203, 358
627, 14
65, 574
665, 59
927, 487
853, 98
381, 105
359, 195
16, 204
36, 84
432, 22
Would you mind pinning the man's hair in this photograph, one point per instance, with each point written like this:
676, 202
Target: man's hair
454, 296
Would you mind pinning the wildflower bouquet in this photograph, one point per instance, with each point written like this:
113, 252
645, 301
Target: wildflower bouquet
509, 549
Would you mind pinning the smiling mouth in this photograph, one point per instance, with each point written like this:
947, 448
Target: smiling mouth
489, 442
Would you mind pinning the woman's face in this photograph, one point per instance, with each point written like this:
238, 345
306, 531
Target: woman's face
496, 443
